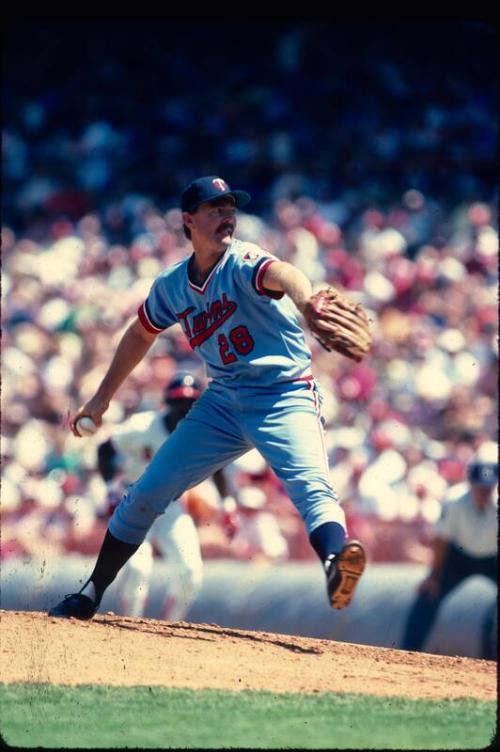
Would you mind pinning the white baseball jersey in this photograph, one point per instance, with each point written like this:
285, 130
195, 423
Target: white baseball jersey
464, 525
137, 440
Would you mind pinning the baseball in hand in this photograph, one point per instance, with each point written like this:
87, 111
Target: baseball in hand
85, 426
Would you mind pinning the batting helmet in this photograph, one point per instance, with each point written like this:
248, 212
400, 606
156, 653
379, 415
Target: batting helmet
183, 386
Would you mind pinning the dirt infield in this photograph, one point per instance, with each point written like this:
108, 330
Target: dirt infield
118, 650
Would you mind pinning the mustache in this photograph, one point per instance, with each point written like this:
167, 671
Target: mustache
229, 226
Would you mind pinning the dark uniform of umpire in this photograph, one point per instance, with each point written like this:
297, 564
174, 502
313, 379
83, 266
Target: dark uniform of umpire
465, 545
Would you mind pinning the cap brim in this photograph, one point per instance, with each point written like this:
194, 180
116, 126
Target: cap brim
240, 197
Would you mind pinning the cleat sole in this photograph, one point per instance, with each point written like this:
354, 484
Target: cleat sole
350, 565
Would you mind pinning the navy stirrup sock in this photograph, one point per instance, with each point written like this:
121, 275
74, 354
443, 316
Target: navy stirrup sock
113, 555
327, 540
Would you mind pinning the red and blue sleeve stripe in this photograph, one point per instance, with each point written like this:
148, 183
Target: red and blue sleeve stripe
258, 276
146, 320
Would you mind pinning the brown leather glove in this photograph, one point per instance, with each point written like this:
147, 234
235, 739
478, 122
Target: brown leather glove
338, 324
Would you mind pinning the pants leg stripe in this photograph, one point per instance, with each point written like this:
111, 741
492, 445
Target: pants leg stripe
317, 410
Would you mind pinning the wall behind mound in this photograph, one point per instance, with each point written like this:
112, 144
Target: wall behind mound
288, 599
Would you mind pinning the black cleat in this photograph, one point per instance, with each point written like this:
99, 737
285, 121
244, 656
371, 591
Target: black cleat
344, 573
75, 606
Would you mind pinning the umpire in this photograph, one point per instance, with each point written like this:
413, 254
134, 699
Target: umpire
465, 544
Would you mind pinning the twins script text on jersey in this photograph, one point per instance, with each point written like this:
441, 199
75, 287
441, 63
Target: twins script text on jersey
234, 332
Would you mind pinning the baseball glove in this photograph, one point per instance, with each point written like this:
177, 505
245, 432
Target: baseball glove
338, 324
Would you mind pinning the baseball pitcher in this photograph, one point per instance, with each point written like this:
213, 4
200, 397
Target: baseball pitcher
239, 307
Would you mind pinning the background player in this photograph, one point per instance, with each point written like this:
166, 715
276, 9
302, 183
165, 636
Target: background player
237, 305
121, 460
465, 544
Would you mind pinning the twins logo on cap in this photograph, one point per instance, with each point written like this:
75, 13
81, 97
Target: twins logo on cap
220, 184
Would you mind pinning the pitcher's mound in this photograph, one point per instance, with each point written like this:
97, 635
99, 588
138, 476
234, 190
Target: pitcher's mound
119, 650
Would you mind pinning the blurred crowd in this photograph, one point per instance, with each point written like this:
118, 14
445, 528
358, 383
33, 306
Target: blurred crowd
401, 426
376, 178
349, 114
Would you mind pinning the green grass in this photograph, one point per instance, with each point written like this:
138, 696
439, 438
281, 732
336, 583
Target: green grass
120, 717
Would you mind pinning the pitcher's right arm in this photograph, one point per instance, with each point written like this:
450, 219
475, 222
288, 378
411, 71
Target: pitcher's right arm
133, 346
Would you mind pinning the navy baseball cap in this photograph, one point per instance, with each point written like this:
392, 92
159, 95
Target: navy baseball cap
208, 189
483, 473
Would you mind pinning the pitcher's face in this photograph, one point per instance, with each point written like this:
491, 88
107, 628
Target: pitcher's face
213, 224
